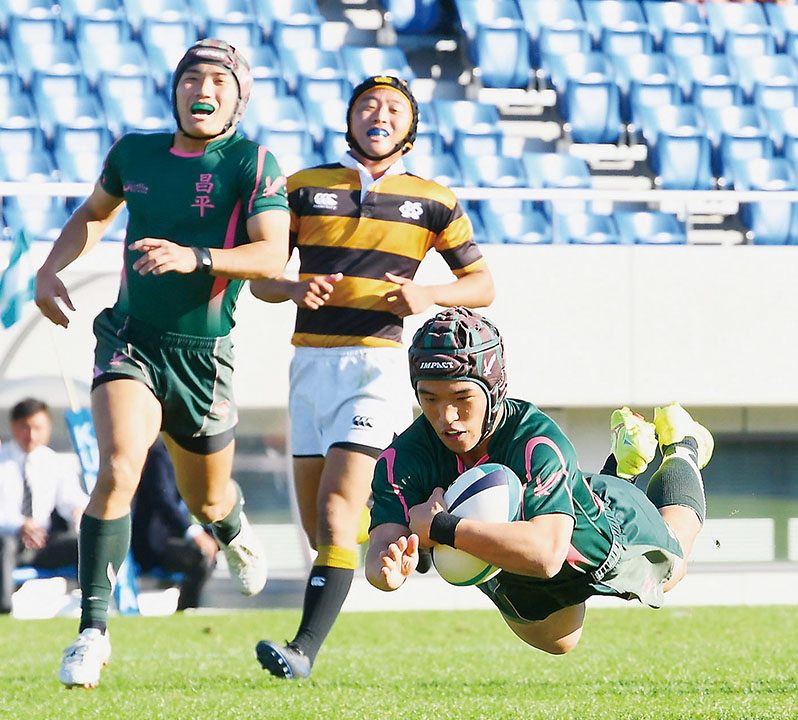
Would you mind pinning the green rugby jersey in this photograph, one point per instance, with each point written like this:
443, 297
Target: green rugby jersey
526, 440
197, 199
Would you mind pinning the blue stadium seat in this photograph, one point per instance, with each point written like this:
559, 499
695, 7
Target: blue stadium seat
263, 61
111, 85
586, 229
334, 145
41, 218
80, 166
725, 16
162, 60
492, 171
311, 63
317, 89
56, 84
289, 142
24, 31
693, 69
441, 168
790, 148
468, 116
558, 41
738, 120
292, 162
10, 84
591, 107
766, 69
780, 123
272, 86
82, 139
324, 114
557, 170
53, 58
414, 16
7, 61
662, 14
17, 110
623, 40
782, 19
239, 34
480, 234
749, 43
283, 114
473, 144
22, 166
649, 67
497, 13
71, 10
520, 225
142, 114
687, 40
77, 110
167, 10
363, 62
771, 222
89, 29
168, 33
649, 228
502, 56
537, 14
235, 11
105, 57
24, 8
655, 91
601, 14
428, 142
716, 92
297, 32
778, 93
576, 65
738, 146
300, 11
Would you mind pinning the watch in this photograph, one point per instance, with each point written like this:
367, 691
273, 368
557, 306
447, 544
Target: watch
204, 262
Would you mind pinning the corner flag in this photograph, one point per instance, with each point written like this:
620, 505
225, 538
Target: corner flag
17, 282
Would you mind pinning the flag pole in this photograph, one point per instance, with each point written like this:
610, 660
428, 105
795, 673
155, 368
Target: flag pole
68, 384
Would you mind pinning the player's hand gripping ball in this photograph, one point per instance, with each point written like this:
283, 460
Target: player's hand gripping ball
491, 493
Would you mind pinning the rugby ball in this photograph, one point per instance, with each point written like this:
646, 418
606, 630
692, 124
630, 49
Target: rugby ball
490, 492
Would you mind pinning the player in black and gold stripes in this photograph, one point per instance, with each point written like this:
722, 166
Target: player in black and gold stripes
361, 226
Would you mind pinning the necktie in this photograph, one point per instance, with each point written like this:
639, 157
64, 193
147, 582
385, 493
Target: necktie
27, 498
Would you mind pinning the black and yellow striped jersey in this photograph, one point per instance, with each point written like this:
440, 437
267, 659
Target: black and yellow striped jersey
390, 230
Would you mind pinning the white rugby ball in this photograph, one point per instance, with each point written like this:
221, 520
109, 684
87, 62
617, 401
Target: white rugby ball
490, 492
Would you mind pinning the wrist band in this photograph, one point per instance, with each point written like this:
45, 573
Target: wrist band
441, 529
204, 262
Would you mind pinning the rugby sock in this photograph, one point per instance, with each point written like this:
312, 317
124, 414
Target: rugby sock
610, 466
327, 588
227, 528
103, 545
678, 481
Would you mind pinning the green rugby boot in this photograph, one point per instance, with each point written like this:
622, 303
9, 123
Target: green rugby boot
634, 443
673, 424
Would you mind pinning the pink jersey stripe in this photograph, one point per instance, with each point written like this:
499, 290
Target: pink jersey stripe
390, 457
220, 283
544, 487
186, 153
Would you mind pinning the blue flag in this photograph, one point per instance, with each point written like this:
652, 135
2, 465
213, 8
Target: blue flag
16, 284
81, 430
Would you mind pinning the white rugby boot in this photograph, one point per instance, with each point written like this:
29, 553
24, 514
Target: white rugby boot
85, 658
246, 559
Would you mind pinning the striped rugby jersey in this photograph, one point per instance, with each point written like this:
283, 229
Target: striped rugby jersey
337, 228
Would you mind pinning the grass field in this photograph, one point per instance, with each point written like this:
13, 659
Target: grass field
718, 663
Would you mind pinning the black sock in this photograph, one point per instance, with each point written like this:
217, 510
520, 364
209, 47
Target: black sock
325, 593
610, 466
678, 481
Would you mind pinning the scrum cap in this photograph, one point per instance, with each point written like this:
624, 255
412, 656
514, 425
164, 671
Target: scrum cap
406, 143
221, 53
460, 344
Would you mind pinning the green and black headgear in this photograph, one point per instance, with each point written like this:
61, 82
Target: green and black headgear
221, 53
460, 344
399, 86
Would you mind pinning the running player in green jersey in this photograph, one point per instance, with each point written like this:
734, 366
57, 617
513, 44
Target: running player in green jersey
208, 210
578, 535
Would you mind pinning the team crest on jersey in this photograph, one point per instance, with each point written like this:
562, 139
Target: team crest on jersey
411, 210
325, 201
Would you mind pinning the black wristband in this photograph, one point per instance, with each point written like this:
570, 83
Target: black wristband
441, 529
204, 262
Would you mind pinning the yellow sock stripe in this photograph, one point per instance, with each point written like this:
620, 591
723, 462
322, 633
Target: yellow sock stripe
337, 557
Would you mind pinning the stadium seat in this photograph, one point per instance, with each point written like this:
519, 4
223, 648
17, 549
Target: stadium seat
687, 40
41, 218
428, 142
623, 40
480, 234
23, 166
334, 145
17, 110
311, 63
239, 34
58, 58
297, 32
414, 16
10, 84
168, 33
292, 162
24, 8
123, 57
441, 168
501, 55
320, 90
662, 14
780, 122
648, 67
92, 30
790, 148
649, 228
7, 62
497, 13
113, 85
272, 86
82, 139
162, 60
55, 85
766, 69
492, 171
716, 92
263, 61
363, 62
771, 222
71, 10
539, 14
26, 31
523, 225
777, 93
601, 14
751, 145
76, 110
473, 144
468, 116
578, 228
731, 16
145, 114
283, 114
576, 65
591, 107
81, 166
557, 170
709, 69
288, 141
21, 139
164, 10
734, 121
300, 11
558, 41
235, 11
654, 91
325, 114
749, 43
782, 19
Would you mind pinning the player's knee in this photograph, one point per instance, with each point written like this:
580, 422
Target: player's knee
560, 646
337, 520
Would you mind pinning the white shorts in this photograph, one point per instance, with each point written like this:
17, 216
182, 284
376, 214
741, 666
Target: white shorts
359, 395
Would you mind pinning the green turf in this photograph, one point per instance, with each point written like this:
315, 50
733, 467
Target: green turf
718, 663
